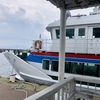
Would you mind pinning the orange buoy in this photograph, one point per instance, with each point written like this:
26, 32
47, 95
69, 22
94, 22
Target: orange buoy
38, 44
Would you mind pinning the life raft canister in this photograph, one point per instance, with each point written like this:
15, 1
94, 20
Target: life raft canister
38, 44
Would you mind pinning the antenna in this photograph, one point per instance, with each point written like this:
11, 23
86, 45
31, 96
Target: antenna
68, 14
40, 36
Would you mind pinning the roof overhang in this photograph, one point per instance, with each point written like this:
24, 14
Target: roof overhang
74, 4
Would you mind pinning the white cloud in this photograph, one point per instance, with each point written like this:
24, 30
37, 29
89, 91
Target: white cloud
19, 26
22, 21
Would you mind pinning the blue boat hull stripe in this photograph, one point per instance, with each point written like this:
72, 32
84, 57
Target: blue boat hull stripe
38, 59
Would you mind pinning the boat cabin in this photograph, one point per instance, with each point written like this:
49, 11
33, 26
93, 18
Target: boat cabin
82, 34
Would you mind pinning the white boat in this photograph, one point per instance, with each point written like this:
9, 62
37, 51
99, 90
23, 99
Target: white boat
82, 51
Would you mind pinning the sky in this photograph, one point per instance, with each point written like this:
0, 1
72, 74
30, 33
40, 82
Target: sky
22, 21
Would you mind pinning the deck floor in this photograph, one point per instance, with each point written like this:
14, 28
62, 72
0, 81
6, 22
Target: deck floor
8, 93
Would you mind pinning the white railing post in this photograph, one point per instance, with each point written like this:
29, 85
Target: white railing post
72, 89
62, 94
52, 97
58, 95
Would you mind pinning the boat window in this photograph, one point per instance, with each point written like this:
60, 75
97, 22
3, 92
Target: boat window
81, 33
98, 70
57, 34
69, 33
54, 77
76, 68
90, 69
67, 67
54, 66
45, 64
96, 32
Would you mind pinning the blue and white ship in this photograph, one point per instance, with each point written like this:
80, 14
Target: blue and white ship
82, 51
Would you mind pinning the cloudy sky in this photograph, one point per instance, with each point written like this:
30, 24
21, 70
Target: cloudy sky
22, 21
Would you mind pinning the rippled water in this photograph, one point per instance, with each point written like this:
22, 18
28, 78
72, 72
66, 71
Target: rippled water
5, 67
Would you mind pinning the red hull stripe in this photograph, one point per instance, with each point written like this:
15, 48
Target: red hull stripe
89, 56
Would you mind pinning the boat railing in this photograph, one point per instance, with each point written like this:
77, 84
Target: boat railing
46, 44
72, 45
70, 89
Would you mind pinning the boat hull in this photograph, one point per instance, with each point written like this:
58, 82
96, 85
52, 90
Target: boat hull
76, 64
28, 72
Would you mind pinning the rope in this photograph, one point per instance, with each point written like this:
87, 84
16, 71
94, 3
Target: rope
20, 87
34, 87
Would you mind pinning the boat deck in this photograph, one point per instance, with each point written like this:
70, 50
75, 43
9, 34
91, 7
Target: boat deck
8, 93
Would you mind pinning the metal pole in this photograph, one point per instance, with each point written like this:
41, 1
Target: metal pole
62, 44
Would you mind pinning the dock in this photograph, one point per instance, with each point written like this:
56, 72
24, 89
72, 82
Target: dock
8, 92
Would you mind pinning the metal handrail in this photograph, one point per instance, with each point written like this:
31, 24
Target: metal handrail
88, 45
50, 92
70, 89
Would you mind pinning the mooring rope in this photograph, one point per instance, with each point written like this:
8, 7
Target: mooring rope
34, 87
21, 85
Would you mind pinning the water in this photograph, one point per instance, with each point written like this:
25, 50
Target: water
5, 67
